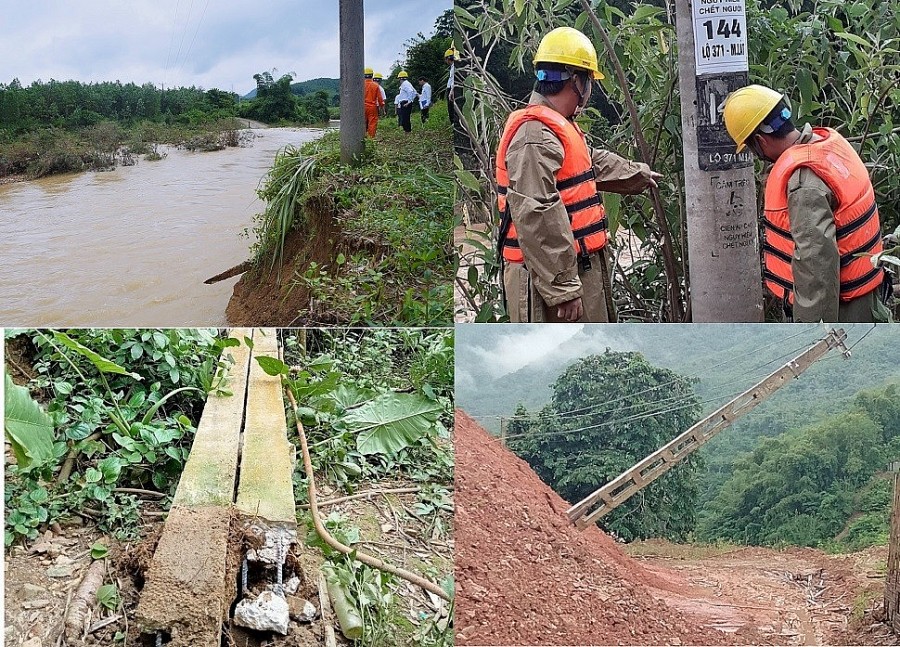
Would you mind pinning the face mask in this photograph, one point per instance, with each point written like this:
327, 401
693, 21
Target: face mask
756, 150
584, 95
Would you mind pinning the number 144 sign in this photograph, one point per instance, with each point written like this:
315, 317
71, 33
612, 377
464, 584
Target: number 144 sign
720, 35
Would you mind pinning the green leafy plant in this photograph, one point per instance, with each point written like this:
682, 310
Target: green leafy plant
27, 427
99, 551
108, 596
123, 404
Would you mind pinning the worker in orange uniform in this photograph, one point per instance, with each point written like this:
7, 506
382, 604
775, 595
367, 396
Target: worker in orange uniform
553, 229
373, 102
821, 221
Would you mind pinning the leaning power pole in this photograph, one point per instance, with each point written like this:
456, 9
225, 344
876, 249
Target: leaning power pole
606, 499
353, 122
722, 231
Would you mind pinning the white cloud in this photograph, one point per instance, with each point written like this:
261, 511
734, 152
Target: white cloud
524, 345
204, 43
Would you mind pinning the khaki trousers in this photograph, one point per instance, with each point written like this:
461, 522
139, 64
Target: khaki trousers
524, 303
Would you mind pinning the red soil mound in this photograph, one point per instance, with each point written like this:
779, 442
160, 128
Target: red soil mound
526, 576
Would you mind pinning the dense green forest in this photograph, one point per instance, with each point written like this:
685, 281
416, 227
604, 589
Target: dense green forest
302, 88
63, 126
805, 486
276, 102
72, 105
577, 453
832, 399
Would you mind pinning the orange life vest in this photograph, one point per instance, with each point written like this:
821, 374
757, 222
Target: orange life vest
575, 182
856, 222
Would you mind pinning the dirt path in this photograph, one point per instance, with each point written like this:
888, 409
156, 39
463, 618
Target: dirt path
249, 123
794, 596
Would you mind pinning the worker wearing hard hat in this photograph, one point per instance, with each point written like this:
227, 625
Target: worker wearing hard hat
553, 233
408, 96
821, 221
373, 100
450, 59
378, 78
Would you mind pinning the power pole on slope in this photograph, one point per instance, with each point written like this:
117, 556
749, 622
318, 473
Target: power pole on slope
892, 585
642, 474
353, 121
720, 194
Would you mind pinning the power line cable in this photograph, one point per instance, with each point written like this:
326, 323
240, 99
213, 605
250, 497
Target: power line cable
592, 407
171, 43
196, 31
683, 402
183, 34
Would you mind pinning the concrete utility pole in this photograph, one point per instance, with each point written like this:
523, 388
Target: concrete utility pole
892, 585
353, 121
720, 191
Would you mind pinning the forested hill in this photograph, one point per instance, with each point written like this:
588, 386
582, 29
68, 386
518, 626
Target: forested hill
492, 376
304, 88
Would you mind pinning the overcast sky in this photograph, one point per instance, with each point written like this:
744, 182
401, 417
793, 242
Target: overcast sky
210, 44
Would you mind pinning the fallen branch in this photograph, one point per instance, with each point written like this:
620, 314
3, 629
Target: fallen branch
97, 626
135, 490
84, 600
365, 495
368, 560
227, 274
325, 610
66, 471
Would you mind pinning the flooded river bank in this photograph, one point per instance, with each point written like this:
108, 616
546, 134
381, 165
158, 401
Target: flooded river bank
132, 247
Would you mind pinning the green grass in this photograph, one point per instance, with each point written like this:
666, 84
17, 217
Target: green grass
394, 210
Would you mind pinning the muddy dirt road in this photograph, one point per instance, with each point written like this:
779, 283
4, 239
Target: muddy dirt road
132, 247
526, 576
794, 596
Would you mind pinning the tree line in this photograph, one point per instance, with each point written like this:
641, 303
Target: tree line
72, 104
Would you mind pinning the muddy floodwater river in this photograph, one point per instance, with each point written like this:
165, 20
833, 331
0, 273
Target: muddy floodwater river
132, 247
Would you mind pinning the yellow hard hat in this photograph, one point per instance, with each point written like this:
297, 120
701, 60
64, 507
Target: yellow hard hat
368, 71
403, 75
450, 53
568, 46
378, 76
745, 109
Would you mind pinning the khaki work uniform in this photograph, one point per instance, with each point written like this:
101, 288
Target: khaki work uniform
551, 274
816, 261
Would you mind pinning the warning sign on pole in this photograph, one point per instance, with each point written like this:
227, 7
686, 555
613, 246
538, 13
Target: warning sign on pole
720, 52
720, 36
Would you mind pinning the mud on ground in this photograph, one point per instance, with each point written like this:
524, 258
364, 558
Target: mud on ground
41, 578
274, 297
526, 576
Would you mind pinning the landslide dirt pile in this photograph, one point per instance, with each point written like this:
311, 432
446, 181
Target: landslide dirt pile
525, 575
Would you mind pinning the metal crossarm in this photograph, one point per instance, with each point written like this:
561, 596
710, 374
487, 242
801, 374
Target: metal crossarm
637, 477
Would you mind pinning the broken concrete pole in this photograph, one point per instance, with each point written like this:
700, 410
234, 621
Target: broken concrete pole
268, 612
266, 488
185, 590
